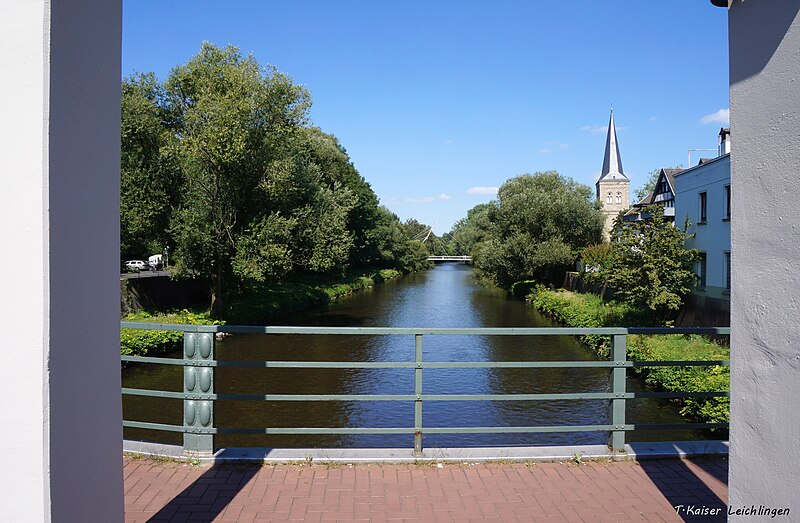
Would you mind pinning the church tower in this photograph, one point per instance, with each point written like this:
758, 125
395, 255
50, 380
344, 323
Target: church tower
613, 187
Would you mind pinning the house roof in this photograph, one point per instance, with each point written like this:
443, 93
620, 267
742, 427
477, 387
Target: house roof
612, 163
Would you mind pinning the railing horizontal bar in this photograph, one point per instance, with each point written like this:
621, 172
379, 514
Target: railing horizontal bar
423, 397
499, 430
679, 330
681, 363
410, 430
159, 393
385, 331
681, 394
152, 426
360, 430
151, 359
668, 426
151, 326
424, 365
479, 331
316, 397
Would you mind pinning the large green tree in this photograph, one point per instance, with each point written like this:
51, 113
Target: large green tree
151, 179
537, 226
649, 265
220, 161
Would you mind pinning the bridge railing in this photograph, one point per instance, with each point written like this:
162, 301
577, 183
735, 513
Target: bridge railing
198, 362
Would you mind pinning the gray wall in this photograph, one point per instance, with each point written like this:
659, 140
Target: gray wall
765, 234
59, 212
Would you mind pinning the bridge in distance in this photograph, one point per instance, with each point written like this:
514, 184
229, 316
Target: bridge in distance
438, 259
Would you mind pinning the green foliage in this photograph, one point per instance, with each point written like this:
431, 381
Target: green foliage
150, 176
469, 232
135, 342
536, 228
262, 302
219, 162
588, 310
596, 262
649, 265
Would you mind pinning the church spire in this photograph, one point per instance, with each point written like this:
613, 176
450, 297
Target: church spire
612, 164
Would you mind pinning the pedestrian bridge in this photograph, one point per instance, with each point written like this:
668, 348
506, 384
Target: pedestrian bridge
436, 259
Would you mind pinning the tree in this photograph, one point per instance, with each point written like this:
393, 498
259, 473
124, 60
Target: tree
469, 232
537, 226
150, 176
650, 266
237, 122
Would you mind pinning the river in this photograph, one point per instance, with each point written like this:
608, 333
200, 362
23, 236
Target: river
445, 296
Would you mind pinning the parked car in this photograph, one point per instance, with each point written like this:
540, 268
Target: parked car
137, 265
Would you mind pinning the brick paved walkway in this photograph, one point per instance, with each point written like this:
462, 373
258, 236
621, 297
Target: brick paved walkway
592, 491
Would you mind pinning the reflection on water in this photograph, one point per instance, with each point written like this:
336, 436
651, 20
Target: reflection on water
443, 297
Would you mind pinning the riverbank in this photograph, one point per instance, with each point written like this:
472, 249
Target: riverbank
587, 310
256, 306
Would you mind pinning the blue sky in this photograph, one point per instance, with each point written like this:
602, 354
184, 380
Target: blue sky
439, 102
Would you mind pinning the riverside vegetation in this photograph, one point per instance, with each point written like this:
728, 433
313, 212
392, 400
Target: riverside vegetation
541, 224
588, 310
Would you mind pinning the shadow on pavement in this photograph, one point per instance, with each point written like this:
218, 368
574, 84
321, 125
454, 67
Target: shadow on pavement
696, 487
209, 495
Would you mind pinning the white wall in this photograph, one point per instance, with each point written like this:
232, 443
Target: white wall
713, 237
765, 233
59, 232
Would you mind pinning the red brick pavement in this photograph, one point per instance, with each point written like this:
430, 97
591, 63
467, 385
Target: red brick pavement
590, 492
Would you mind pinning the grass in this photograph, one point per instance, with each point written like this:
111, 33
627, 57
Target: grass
135, 342
588, 310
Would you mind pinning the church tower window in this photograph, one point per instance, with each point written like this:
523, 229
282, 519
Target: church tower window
610, 198
619, 197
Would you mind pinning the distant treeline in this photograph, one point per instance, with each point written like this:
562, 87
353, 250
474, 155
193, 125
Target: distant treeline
221, 165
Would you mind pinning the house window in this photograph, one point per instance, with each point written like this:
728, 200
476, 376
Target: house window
703, 207
609, 198
727, 203
728, 270
619, 197
701, 271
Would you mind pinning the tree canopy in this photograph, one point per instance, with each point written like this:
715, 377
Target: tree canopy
534, 229
649, 265
220, 161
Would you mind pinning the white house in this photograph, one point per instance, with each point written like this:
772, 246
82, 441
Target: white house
703, 196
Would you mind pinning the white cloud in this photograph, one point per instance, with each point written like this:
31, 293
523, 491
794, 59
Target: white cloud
482, 190
444, 196
652, 119
722, 116
449, 141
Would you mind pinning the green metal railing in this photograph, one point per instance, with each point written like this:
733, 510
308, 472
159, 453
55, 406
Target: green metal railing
198, 381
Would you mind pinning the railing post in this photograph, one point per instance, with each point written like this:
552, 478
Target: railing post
418, 392
616, 441
198, 380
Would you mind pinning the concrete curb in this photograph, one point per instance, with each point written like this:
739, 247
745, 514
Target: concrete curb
633, 451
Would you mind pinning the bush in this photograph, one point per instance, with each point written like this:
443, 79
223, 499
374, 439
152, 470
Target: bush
137, 342
588, 310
